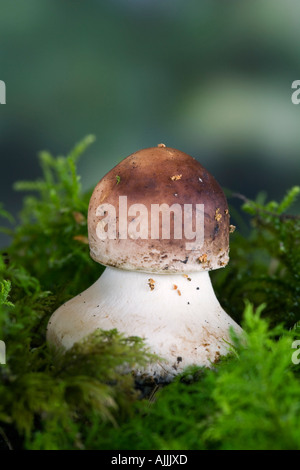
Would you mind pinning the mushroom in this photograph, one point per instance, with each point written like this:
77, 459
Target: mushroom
159, 222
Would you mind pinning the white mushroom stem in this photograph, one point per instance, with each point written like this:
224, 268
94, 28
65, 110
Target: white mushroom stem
178, 315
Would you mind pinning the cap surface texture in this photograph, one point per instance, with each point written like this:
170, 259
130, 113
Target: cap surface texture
160, 176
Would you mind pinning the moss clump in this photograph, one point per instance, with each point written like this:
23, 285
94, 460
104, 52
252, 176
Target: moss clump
248, 401
85, 399
265, 264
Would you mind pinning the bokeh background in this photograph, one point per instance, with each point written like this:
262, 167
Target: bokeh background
208, 77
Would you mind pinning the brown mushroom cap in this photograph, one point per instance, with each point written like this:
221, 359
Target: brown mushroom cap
161, 175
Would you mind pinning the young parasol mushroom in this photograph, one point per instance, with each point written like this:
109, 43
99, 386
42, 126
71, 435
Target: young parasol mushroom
159, 222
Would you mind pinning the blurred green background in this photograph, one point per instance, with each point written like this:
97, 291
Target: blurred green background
211, 78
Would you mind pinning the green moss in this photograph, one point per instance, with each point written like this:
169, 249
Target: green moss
265, 264
85, 399
248, 401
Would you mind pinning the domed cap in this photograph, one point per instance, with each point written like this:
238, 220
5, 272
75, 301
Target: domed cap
159, 211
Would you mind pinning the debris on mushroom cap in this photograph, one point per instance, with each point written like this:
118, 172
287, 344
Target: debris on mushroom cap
176, 177
203, 258
218, 216
146, 179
